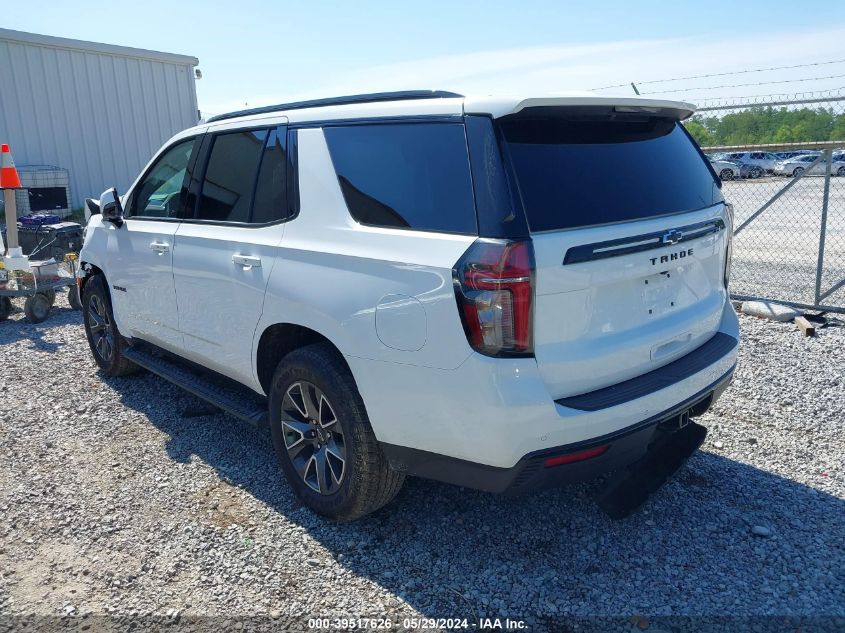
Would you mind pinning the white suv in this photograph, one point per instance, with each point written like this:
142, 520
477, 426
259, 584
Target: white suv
501, 293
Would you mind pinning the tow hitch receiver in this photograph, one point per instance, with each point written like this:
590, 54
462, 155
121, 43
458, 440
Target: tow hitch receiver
629, 489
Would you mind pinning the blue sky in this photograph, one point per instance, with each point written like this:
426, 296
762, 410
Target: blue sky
262, 52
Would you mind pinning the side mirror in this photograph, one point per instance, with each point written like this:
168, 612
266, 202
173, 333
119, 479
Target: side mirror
110, 207
92, 207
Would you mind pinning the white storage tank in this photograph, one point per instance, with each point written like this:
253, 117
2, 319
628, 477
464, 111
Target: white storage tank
46, 188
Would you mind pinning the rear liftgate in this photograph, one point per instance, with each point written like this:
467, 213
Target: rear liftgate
675, 441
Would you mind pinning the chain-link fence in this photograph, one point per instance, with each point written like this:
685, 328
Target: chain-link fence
782, 161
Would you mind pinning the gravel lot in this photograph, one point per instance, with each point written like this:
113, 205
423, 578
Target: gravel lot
114, 502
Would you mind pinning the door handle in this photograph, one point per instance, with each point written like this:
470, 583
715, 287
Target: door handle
160, 247
247, 261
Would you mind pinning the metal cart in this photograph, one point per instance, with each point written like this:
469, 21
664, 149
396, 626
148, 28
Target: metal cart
39, 286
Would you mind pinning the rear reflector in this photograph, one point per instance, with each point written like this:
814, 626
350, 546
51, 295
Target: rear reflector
580, 456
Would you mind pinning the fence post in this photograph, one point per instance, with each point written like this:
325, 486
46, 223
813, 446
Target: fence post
828, 156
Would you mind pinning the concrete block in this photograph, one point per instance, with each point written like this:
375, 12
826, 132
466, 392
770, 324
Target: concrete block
770, 310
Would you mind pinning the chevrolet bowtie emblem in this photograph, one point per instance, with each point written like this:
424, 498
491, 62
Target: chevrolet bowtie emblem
671, 237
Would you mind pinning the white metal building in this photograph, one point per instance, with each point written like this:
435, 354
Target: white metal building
98, 111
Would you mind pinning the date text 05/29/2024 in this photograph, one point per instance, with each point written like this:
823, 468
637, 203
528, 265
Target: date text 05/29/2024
417, 624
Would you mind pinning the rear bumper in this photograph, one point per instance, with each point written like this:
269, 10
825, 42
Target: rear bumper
495, 412
531, 474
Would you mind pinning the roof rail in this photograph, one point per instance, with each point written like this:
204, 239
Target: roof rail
404, 95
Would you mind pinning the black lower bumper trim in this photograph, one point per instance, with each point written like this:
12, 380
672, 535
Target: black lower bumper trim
626, 446
666, 376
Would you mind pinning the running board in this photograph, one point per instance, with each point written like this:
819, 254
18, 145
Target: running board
631, 488
222, 393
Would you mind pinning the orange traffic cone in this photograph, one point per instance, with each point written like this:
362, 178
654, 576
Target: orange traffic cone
9, 178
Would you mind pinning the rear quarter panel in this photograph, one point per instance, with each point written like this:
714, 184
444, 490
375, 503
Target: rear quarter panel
333, 275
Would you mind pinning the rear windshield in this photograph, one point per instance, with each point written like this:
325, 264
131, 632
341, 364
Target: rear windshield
585, 171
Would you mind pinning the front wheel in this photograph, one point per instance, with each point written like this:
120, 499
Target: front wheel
756, 173
106, 343
323, 438
726, 174
840, 172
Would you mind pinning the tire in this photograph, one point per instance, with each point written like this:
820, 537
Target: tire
5, 308
73, 298
105, 341
841, 172
319, 425
51, 295
797, 172
37, 307
756, 173
726, 174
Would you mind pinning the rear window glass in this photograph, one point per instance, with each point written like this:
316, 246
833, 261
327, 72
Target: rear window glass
586, 171
411, 176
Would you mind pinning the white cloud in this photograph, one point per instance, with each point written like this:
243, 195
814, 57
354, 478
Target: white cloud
544, 69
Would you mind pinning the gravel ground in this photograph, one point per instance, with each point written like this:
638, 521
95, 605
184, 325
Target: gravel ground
113, 502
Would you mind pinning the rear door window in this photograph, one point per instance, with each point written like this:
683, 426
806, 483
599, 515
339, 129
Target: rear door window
409, 176
584, 171
230, 176
270, 202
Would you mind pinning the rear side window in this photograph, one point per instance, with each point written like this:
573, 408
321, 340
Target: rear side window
587, 171
230, 176
411, 176
270, 202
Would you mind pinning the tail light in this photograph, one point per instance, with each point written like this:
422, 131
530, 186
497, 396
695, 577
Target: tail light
729, 212
494, 287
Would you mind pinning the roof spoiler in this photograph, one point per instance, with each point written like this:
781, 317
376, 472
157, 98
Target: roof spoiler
504, 107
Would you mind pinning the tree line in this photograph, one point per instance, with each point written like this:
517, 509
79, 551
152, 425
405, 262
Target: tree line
760, 125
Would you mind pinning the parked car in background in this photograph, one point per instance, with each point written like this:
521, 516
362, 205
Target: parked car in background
798, 165
796, 153
760, 163
726, 169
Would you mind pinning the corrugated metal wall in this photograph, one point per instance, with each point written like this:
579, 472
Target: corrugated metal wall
98, 114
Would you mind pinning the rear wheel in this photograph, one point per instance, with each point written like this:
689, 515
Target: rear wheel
756, 172
323, 438
726, 174
840, 171
37, 307
797, 172
106, 343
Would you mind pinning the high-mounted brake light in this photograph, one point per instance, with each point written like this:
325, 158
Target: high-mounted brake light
494, 287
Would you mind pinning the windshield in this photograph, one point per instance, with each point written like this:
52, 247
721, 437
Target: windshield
584, 171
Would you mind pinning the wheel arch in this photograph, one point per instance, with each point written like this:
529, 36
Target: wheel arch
279, 340
88, 270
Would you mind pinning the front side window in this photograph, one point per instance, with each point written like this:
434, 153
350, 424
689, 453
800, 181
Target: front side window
230, 176
410, 176
162, 191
